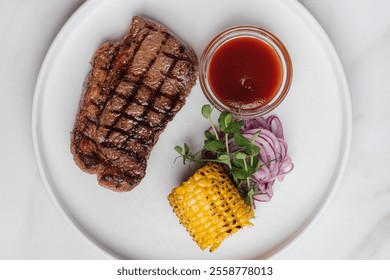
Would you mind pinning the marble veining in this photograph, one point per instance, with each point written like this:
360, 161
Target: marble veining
375, 240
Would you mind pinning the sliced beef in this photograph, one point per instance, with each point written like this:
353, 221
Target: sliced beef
136, 86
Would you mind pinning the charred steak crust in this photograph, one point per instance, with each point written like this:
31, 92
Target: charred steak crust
136, 86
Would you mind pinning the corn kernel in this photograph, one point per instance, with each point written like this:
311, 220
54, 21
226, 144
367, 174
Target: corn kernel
210, 207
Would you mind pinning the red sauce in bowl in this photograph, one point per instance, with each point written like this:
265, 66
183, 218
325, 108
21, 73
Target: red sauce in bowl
245, 72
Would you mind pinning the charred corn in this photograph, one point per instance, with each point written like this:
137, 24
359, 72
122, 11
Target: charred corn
210, 207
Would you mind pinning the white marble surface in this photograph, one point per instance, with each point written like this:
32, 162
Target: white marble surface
355, 226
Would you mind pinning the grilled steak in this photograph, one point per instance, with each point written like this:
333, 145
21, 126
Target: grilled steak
136, 86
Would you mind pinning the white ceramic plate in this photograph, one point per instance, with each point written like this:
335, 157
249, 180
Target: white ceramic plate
140, 224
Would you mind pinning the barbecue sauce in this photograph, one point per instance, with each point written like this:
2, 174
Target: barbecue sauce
245, 73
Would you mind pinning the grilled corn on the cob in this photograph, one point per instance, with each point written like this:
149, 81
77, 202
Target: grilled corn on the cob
210, 207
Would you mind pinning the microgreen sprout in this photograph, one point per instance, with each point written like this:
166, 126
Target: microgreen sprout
241, 163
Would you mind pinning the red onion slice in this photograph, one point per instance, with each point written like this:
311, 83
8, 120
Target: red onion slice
273, 153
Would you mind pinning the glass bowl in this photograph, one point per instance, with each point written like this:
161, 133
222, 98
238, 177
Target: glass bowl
240, 109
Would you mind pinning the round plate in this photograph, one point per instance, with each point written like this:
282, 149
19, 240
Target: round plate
140, 224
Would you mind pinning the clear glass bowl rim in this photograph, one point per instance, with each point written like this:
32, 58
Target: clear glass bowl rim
258, 33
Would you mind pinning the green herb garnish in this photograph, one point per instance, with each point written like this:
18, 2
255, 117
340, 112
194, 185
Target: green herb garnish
241, 163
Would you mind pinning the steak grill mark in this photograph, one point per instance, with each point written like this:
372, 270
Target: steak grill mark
101, 107
129, 122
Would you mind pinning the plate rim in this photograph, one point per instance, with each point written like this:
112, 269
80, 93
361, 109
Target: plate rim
35, 137
342, 160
